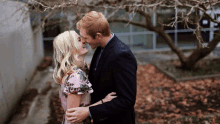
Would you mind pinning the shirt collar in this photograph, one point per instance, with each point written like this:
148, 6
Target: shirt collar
108, 41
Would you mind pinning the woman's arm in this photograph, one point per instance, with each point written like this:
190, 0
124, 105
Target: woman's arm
83, 112
73, 100
108, 98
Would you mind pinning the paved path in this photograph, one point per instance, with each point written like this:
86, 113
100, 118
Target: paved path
37, 110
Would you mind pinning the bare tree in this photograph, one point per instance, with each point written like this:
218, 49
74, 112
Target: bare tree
195, 10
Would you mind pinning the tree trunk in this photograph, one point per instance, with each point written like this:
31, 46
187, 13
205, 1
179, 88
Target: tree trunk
189, 63
198, 54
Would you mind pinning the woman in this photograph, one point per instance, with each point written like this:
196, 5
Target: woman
71, 72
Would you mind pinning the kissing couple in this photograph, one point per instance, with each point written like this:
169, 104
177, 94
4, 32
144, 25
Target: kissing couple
105, 92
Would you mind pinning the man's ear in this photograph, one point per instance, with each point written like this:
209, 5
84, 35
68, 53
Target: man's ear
98, 35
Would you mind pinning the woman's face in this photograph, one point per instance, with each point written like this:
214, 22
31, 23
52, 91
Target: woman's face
82, 46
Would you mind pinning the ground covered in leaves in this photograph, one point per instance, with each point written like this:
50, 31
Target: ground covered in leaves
161, 100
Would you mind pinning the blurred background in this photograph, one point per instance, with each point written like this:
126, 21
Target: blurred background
186, 31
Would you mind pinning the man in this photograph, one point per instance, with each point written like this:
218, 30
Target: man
113, 69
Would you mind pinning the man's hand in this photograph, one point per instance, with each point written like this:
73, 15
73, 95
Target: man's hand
77, 114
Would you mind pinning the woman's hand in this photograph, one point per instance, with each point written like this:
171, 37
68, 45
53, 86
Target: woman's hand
109, 97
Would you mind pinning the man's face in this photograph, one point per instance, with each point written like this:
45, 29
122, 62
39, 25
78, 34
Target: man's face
88, 39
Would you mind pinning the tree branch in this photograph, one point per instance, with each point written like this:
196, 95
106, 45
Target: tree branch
198, 31
127, 21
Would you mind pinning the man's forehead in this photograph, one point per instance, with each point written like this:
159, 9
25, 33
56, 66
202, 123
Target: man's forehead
82, 33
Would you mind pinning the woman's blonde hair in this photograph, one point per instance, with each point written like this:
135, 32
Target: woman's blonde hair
65, 55
94, 22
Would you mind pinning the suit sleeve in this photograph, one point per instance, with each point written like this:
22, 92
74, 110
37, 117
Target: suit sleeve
124, 74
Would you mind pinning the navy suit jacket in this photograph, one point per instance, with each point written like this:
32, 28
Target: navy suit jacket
116, 72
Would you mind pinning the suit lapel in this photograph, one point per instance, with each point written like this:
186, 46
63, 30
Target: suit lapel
105, 54
93, 62
94, 58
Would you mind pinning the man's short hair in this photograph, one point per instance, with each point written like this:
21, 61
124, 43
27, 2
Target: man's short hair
94, 22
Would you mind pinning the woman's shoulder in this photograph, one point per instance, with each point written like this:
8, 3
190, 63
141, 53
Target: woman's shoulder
78, 71
75, 70
77, 82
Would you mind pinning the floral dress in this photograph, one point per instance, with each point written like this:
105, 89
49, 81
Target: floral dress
75, 83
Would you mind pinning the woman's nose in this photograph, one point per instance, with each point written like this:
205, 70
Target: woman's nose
83, 41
